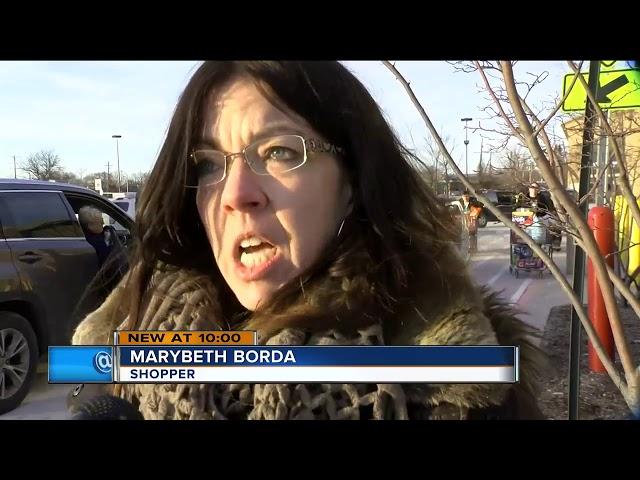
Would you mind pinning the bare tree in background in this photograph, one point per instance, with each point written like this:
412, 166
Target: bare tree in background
518, 165
438, 167
44, 165
89, 179
137, 181
531, 127
67, 177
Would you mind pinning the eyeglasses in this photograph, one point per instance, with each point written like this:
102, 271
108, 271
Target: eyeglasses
275, 156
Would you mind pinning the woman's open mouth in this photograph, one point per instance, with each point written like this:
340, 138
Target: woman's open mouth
255, 256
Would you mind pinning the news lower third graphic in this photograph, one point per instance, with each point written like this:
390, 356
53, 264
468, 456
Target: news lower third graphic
155, 363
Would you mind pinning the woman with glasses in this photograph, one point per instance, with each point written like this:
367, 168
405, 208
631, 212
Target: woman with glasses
282, 202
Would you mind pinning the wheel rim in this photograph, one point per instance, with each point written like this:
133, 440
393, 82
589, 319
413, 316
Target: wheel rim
14, 361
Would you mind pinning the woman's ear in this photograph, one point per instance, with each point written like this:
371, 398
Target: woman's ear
347, 205
348, 199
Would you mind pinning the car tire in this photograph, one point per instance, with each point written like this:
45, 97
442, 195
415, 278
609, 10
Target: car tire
482, 220
18, 353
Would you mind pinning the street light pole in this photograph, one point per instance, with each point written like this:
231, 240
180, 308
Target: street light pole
118, 157
466, 121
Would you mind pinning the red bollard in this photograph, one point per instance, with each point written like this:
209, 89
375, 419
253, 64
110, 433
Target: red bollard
601, 222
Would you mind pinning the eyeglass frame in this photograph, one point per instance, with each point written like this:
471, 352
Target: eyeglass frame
311, 145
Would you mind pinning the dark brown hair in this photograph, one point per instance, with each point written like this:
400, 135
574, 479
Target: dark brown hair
396, 231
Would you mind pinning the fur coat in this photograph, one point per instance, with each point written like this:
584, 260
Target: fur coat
175, 301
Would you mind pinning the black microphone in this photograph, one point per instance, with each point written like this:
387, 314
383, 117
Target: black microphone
106, 407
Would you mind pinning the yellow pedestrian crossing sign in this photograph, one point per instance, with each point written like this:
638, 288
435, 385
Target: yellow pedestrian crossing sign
617, 89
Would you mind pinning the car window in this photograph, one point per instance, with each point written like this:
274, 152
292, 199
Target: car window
110, 213
36, 215
456, 215
124, 205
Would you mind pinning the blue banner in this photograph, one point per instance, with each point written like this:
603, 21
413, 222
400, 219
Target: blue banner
430, 356
81, 364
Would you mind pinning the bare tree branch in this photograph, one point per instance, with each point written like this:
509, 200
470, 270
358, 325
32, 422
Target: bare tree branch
594, 187
634, 302
549, 147
504, 116
557, 107
577, 303
586, 235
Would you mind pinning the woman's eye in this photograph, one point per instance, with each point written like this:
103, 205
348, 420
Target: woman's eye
208, 167
279, 154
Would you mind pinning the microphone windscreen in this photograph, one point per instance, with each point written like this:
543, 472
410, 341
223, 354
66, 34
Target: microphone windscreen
106, 407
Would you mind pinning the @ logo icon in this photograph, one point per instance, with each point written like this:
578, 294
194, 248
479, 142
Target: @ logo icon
102, 362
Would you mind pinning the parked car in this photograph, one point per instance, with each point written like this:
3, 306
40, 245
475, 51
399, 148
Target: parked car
503, 199
127, 202
46, 264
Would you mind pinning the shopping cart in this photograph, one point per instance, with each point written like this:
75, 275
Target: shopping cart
522, 257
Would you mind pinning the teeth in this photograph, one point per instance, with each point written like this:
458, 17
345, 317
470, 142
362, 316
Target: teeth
250, 242
256, 258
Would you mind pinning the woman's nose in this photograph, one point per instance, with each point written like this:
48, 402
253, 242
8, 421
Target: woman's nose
242, 190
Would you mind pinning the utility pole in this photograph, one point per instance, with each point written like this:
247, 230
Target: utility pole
108, 166
586, 163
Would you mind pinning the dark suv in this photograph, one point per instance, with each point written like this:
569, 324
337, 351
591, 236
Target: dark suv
504, 200
46, 265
